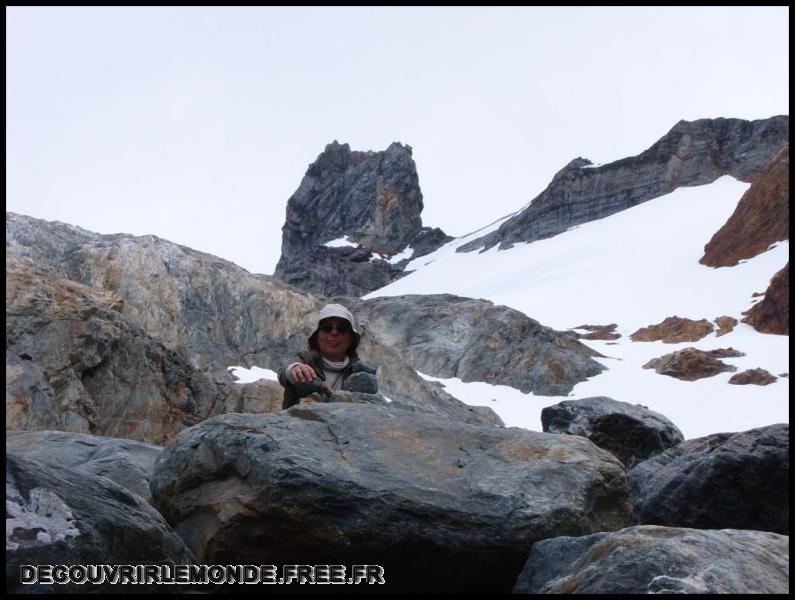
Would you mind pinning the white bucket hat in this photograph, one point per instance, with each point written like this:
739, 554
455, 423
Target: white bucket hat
338, 310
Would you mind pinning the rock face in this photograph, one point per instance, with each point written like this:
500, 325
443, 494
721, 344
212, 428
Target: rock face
674, 330
61, 516
126, 462
692, 153
760, 219
632, 432
659, 560
771, 315
450, 336
690, 364
725, 480
344, 483
127, 336
371, 198
74, 362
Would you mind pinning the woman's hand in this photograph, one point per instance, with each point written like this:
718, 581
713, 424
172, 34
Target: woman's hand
303, 373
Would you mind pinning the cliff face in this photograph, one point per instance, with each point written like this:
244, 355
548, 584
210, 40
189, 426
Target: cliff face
761, 218
371, 198
692, 153
131, 336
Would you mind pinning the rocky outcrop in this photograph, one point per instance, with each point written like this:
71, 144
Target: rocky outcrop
89, 314
126, 462
760, 219
373, 200
659, 560
725, 325
74, 362
219, 313
630, 431
344, 484
56, 515
428, 240
692, 153
690, 364
674, 330
753, 376
724, 480
771, 315
474, 340
598, 332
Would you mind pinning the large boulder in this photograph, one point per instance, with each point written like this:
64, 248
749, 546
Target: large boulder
724, 480
475, 340
57, 515
659, 560
439, 504
127, 462
630, 431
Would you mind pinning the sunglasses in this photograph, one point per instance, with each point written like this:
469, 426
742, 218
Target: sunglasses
329, 327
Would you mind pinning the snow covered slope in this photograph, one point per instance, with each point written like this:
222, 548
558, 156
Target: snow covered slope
634, 268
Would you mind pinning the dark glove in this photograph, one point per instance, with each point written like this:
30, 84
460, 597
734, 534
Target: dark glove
316, 386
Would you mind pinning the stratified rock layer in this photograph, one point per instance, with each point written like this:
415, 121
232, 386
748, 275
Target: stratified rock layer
692, 153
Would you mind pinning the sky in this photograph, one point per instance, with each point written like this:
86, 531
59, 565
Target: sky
634, 268
197, 124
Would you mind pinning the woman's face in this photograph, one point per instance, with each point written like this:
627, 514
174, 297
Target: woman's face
334, 337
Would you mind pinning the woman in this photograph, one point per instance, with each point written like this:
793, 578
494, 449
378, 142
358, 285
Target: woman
331, 356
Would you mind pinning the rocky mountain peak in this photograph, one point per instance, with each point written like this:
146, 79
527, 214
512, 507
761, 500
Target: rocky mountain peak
572, 167
691, 153
372, 200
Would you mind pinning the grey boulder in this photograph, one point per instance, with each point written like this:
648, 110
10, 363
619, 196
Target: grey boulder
659, 560
439, 504
724, 480
127, 462
61, 516
630, 431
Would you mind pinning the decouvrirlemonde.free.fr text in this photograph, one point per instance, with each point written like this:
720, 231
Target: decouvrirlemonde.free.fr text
200, 574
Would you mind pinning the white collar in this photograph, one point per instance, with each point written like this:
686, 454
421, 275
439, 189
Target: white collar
336, 366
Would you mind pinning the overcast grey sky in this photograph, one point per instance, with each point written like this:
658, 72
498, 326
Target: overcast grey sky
196, 124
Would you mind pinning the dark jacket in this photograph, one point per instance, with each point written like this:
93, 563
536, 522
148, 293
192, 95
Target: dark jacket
294, 392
